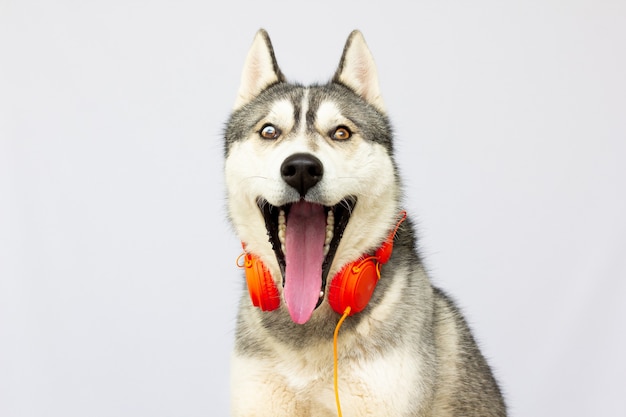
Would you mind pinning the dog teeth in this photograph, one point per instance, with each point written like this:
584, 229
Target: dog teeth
282, 228
329, 234
330, 226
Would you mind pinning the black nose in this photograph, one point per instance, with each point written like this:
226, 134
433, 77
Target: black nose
302, 171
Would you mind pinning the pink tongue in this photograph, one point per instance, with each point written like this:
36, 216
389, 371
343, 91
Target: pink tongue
304, 247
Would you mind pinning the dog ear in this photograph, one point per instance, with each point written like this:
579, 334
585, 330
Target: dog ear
357, 70
259, 71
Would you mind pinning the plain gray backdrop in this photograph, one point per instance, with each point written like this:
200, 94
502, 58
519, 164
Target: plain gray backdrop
118, 284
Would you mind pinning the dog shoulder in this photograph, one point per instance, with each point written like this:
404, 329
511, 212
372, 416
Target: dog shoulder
466, 385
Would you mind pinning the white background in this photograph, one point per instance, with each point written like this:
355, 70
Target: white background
118, 285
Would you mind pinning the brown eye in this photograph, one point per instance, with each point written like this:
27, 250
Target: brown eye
341, 133
269, 131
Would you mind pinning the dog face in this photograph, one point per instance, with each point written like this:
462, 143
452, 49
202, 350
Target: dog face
309, 171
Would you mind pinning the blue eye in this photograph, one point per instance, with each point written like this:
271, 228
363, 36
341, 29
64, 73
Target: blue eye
269, 131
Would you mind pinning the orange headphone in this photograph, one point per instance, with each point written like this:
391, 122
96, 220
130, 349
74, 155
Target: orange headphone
352, 286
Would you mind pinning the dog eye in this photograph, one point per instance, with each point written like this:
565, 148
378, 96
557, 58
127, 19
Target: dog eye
341, 133
269, 131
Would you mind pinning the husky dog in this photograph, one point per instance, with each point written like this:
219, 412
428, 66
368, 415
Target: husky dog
314, 196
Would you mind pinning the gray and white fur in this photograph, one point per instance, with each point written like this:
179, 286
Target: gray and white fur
410, 352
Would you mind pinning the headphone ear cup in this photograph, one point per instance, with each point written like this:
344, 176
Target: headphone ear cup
353, 286
263, 291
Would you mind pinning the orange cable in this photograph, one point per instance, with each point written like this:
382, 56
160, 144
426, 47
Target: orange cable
336, 360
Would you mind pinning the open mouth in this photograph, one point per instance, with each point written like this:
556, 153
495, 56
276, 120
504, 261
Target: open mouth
305, 237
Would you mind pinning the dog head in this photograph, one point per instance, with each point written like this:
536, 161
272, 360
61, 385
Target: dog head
309, 171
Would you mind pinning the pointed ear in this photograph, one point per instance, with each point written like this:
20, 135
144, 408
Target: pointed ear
259, 70
358, 71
